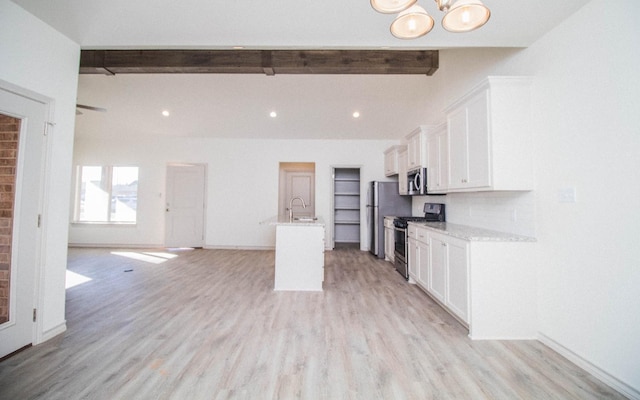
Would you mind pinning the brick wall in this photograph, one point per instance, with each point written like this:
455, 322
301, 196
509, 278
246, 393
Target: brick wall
9, 133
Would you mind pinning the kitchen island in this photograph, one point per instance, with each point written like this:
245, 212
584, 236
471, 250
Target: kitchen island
299, 253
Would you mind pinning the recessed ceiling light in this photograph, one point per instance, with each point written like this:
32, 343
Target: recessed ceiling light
273, 114
356, 114
165, 113
238, 47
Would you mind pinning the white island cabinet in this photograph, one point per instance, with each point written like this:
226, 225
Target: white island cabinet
299, 254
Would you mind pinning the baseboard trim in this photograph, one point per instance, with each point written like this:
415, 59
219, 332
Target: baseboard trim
115, 246
159, 246
239, 247
53, 332
594, 370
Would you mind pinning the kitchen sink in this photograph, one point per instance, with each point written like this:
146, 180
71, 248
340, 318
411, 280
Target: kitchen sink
305, 219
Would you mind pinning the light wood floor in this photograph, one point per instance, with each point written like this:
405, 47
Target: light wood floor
207, 325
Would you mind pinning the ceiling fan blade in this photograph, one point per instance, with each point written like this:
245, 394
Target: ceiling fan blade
100, 109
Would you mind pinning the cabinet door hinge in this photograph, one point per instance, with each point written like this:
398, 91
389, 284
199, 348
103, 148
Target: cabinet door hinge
34, 315
39, 220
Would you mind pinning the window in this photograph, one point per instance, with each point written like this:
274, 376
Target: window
106, 194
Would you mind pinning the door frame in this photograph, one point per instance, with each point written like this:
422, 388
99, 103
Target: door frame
332, 218
37, 332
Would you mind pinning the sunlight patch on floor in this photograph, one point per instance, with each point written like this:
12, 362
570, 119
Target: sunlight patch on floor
75, 279
150, 257
168, 256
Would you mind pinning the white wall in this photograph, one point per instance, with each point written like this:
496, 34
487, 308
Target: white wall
587, 137
242, 183
512, 212
38, 61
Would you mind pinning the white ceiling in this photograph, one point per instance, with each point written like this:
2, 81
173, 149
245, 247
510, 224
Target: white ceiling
238, 106
275, 24
232, 106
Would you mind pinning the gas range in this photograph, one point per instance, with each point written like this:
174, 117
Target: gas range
432, 212
403, 222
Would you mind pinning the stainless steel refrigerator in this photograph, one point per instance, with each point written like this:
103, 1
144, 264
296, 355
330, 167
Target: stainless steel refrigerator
383, 200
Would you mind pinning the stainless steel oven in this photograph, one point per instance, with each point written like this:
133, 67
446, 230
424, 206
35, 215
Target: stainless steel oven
401, 244
432, 212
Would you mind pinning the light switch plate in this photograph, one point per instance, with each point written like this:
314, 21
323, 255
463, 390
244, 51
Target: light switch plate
567, 195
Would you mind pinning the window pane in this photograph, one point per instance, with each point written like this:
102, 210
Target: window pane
124, 194
94, 196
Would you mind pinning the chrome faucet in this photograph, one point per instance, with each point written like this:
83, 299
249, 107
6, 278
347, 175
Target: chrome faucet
291, 206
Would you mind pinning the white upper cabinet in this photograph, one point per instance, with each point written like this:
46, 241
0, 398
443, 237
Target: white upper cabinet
403, 185
438, 160
489, 137
417, 149
391, 160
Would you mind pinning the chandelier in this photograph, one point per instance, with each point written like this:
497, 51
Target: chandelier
413, 21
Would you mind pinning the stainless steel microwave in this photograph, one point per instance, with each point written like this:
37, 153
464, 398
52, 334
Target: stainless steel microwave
417, 182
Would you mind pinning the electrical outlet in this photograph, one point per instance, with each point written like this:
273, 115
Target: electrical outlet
567, 195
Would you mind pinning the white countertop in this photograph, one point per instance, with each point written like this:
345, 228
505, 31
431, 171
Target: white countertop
284, 220
472, 233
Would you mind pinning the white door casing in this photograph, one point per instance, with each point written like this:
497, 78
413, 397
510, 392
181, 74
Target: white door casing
185, 205
19, 331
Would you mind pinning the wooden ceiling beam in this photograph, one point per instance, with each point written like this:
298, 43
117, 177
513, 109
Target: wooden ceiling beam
269, 62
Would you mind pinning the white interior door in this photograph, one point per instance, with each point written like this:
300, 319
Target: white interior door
300, 184
185, 207
18, 330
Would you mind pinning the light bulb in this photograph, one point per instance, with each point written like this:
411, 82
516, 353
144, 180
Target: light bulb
412, 23
466, 16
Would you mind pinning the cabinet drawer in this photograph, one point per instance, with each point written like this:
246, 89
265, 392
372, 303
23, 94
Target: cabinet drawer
412, 231
388, 222
422, 235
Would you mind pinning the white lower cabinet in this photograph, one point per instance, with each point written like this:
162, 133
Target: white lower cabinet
438, 272
419, 257
389, 240
412, 255
457, 292
487, 284
423, 260
449, 275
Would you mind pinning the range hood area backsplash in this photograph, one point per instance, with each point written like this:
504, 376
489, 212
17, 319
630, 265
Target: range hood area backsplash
511, 212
